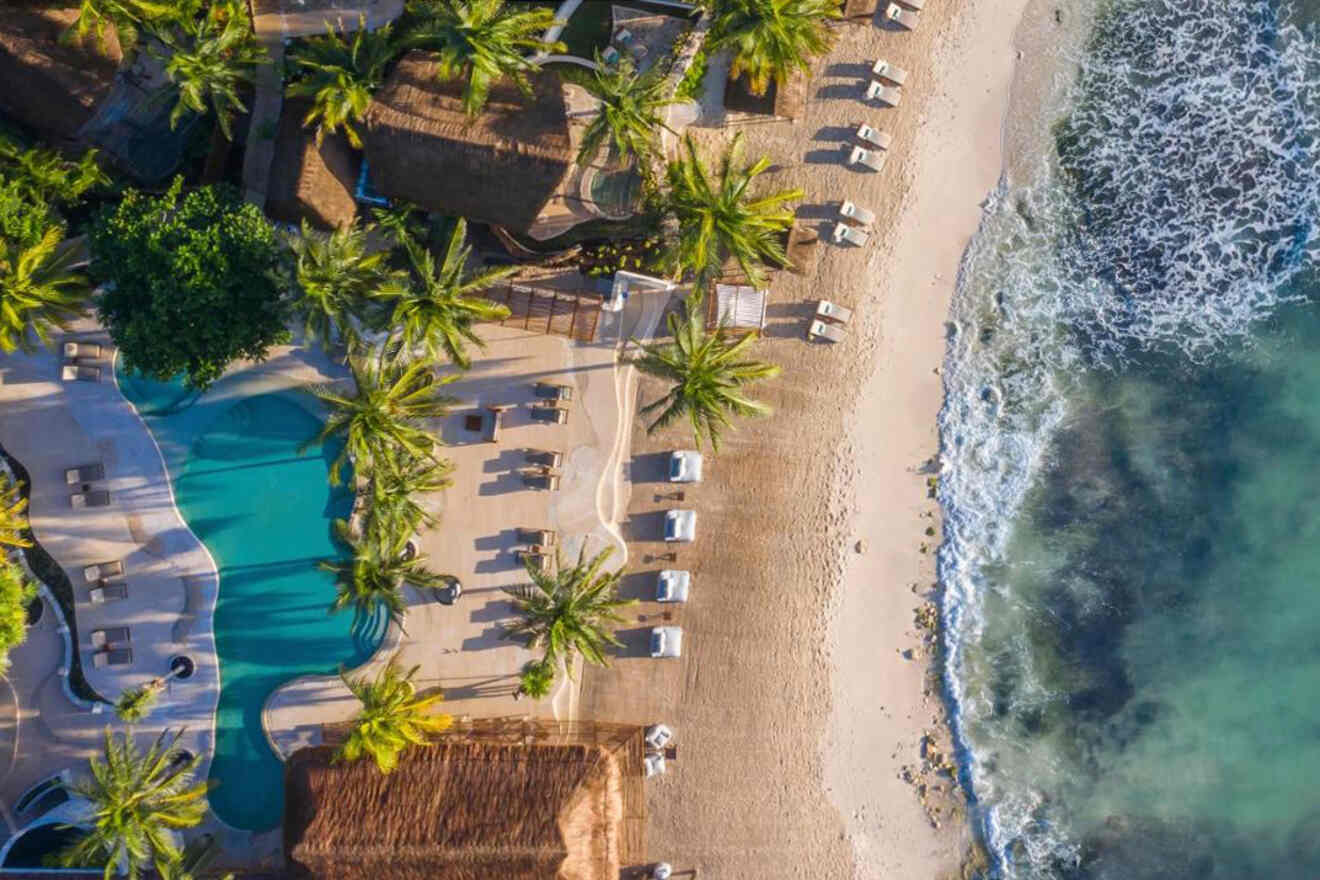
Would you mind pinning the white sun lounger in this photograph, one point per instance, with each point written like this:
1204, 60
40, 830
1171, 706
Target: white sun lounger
94, 573
113, 657
904, 18
87, 473
873, 138
856, 214
94, 498
828, 312
108, 593
113, 635
859, 156
850, 234
878, 91
819, 330
886, 71
80, 373
74, 350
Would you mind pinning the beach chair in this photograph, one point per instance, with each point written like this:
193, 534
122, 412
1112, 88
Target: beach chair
490, 424
538, 537
113, 657
105, 592
886, 71
843, 233
80, 373
872, 138
552, 458
534, 556
834, 314
856, 214
114, 635
545, 482
94, 498
904, 18
888, 95
87, 473
819, 330
867, 158
549, 413
553, 391
75, 350
102, 570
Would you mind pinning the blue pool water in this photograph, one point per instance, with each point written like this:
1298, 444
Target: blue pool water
265, 514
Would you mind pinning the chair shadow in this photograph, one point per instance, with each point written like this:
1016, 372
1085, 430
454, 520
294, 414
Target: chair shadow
823, 157
853, 91
494, 610
509, 481
491, 637
507, 460
818, 211
645, 526
639, 585
650, 467
635, 642
848, 68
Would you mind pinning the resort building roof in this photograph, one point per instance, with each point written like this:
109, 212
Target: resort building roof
49, 87
502, 167
512, 799
307, 180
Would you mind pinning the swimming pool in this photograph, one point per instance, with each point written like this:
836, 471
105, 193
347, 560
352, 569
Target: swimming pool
265, 514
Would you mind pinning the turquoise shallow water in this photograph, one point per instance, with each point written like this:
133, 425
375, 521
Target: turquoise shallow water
264, 512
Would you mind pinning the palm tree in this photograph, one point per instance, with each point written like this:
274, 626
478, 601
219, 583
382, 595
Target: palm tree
386, 409
393, 514
392, 718
134, 704
718, 218
13, 513
17, 591
631, 110
125, 17
373, 577
137, 800
211, 58
568, 611
772, 38
340, 76
707, 373
336, 279
437, 312
199, 853
39, 291
43, 176
480, 41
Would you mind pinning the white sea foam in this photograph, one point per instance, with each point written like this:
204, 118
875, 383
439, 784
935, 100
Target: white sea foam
1195, 127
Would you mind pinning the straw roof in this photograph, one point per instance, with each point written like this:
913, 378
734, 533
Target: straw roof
308, 181
787, 102
50, 88
501, 167
456, 811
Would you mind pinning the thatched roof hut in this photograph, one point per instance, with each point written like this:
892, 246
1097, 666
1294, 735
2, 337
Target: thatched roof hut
502, 167
458, 810
307, 180
50, 88
786, 102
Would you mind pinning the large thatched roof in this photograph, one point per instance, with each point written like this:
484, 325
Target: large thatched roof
501, 167
459, 810
307, 180
787, 102
50, 88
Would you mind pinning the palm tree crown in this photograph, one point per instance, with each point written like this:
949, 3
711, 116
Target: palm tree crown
386, 408
569, 610
211, 61
480, 41
137, 801
340, 76
393, 514
772, 38
707, 373
336, 280
43, 176
392, 718
125, 17
437, 313
39, 291
13, 513
719, 218
373, 577
631, 110
17, 591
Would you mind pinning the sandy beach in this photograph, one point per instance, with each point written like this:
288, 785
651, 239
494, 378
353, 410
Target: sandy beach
797, 712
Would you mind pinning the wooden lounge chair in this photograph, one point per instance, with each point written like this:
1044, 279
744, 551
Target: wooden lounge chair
829, 332
545, 457
868, 158
74, 350
888, 95
553, 391
122, 656
538, 537
548, 412
886, 71
856, 214
869, 136
114, 635
88, 473
850, 234
490, 424
834, 314
80, 373
106, 592
904, 18
94, 498
542, 481
102, 570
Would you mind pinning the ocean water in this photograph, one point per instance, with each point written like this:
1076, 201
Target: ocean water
1131, 443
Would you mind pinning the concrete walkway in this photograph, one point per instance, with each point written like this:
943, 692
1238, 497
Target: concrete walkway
266, 107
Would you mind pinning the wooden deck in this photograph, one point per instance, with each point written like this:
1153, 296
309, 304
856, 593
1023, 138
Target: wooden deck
550, 311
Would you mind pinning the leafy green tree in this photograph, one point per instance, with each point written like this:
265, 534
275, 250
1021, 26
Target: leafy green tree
137, 800
772, 38
211, 57
196, 282
718, 218
707, 371
45, 177
125, 17
385, 410
437, 312
392, 718
393, 514
17, 592
340, 75
480, 41
569, 611
13, 513
336, 281
373, 577
39, 291
631, 111
134, 704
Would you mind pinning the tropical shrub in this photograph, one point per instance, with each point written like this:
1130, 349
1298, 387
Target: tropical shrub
17, 592
536, 679
13, 513
40, 293
134, 704
392, 718
211, 58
